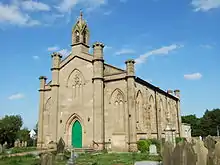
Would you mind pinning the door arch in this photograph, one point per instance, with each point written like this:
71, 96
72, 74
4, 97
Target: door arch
77, 135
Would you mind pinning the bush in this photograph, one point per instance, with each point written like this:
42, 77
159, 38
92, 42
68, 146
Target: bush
179, 139
157, 143
143, 145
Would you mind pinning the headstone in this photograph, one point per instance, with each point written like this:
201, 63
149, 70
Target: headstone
22, 144
167, 153
201, 152
217, 154
148, 163
1, 149
153, 149
210, 145
183, 154
47, 159
25, 144
5, 145
60, 146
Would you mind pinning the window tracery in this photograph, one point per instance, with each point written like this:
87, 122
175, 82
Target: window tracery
77, 36
118, 108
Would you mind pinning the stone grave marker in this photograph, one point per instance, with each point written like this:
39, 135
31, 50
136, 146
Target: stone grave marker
60, 146
201, 152
1, 148
60, 149
217, 154
25, 144
47, 159
210, 145
183, 154
167, 153
153, 149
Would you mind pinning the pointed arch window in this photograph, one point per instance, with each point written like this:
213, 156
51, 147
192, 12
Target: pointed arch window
84, 37
77, 36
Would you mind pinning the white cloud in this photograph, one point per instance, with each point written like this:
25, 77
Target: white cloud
64, 52
207, 46
30, 5
68, 5
16, 96
35, 57
161, 51
53, 48
193, 76
125, 51
205, 5
12, 14
107, 47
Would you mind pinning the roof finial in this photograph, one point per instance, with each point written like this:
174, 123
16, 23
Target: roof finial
81, 14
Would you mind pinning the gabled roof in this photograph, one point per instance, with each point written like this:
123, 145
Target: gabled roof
151, 86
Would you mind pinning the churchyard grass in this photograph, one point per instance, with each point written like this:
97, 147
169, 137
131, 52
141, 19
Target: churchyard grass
22, 149
85, 159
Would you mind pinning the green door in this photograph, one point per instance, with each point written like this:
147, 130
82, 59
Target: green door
77, 135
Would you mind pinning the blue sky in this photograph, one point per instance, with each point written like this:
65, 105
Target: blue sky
176, 45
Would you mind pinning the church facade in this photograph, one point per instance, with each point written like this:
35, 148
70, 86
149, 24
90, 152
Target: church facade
92, 104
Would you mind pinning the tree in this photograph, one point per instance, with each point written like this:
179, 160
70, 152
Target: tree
209, 122
9, 127
194, 122
23, 134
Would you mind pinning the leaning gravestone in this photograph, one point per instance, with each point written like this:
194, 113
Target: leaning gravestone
210, 145
217, 154
60, 149
47, 159
167, 153
201, 152
153, 149
183, 154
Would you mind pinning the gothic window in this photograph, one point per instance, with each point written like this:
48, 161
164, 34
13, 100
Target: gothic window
47, 116
84, 37
77, 36
75, 82
139, 110
118, 108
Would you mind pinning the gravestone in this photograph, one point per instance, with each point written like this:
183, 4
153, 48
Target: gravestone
153, 149
5, 146
25, 144
60, 149
47, 159
210, 145
60, 146
167, 153
201, 152
1, 149
183, 154
148, 163
217, 154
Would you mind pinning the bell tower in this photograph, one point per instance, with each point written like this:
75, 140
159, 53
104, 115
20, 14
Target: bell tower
80, 36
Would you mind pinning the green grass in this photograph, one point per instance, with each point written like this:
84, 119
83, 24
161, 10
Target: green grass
114, 158
23, 149
86, 159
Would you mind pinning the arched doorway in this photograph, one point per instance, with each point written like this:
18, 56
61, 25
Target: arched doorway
77, 135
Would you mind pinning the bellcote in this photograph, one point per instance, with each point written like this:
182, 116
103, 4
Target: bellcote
80, 36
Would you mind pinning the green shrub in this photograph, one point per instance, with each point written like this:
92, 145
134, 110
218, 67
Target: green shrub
157, 143
179, 139
143, 145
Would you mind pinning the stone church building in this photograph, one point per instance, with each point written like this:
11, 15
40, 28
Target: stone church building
90, 103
